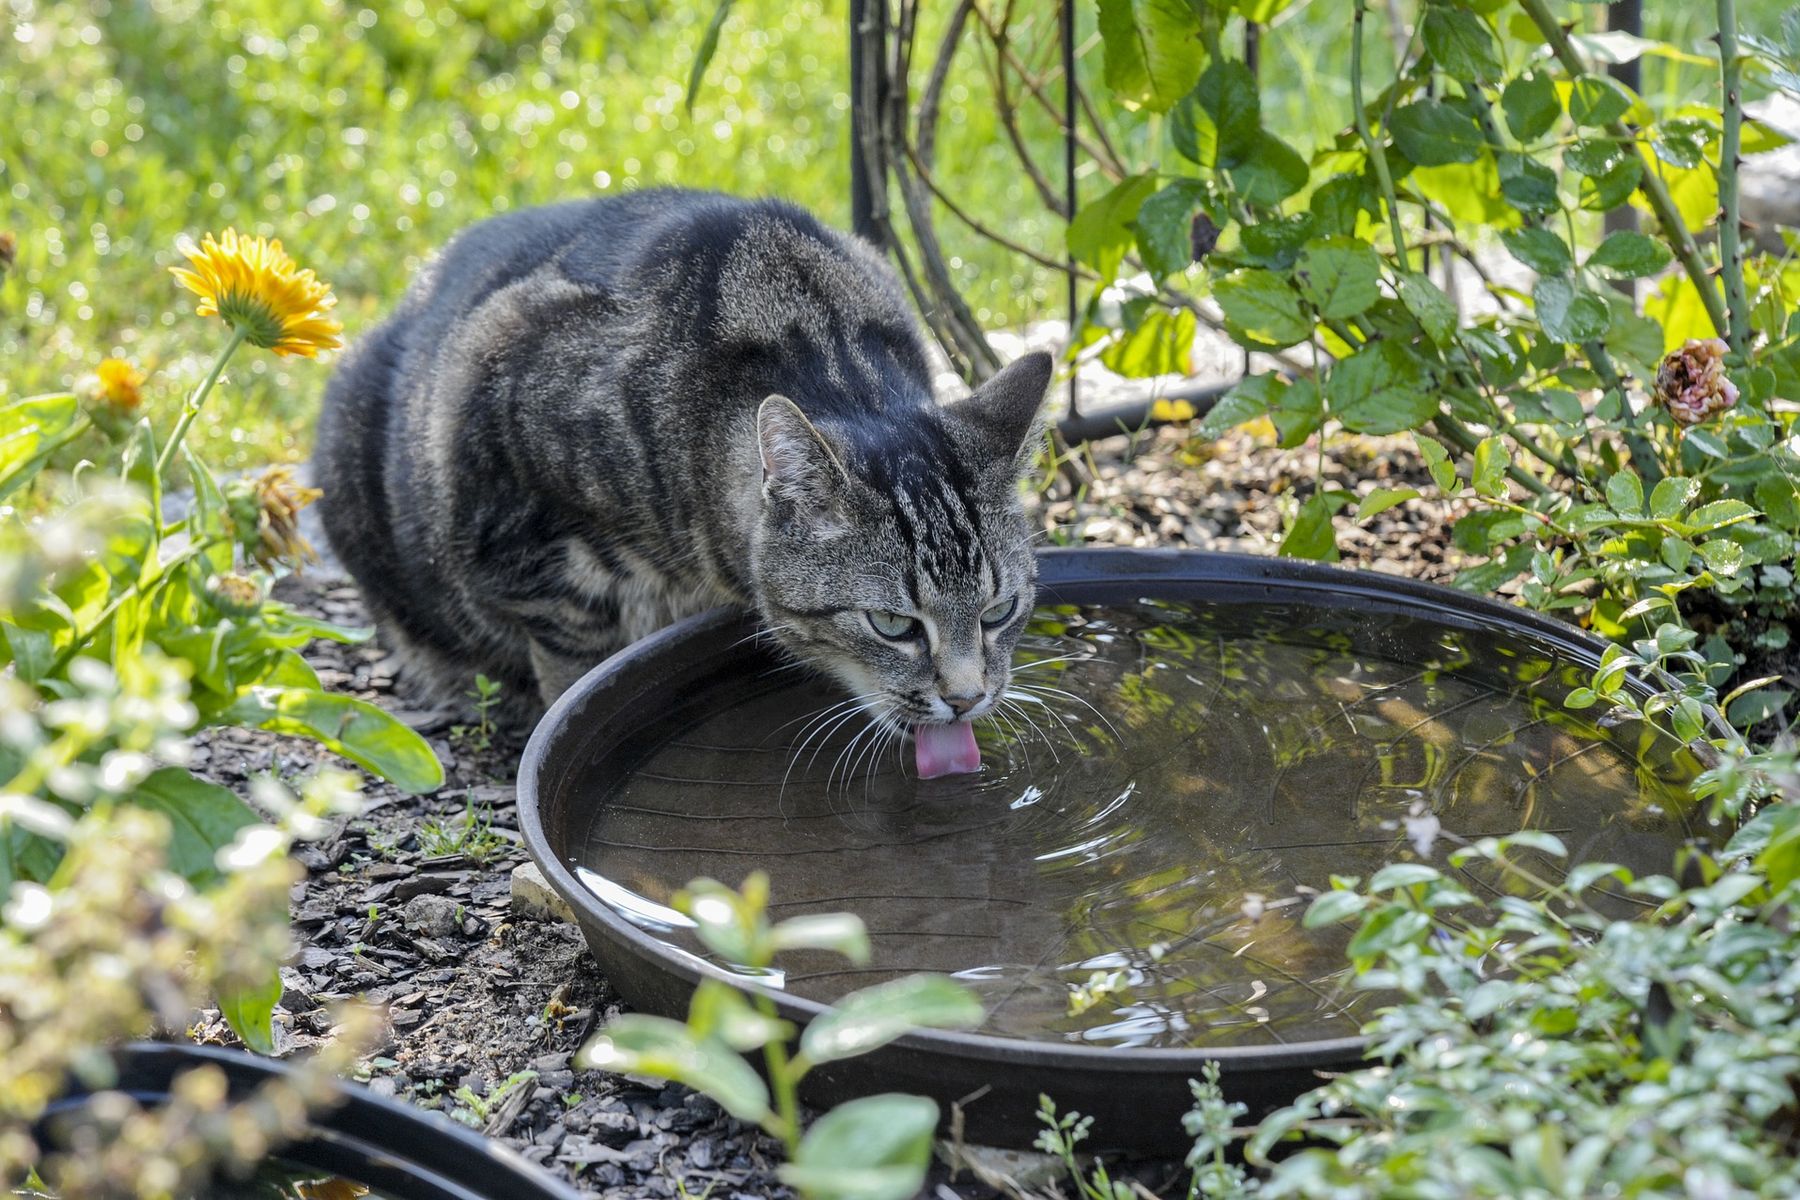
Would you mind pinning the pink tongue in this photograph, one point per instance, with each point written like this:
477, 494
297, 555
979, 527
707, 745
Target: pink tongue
946, 749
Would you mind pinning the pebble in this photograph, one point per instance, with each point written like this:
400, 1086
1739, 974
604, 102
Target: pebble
432, 915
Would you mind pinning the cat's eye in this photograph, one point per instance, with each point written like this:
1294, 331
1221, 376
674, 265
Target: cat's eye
999, 612
891, 625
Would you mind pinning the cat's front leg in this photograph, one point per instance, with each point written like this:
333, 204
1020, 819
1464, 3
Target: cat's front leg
557, 672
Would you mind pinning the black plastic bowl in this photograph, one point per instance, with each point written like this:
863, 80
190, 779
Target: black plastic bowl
1136, 1095
401, 1152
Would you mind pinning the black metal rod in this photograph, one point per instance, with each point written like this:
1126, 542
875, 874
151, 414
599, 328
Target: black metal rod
1069, 191
1626, 16
862, 203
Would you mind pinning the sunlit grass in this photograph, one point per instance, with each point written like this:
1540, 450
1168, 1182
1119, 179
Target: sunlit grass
365, 136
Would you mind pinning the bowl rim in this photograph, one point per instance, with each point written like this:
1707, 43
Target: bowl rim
1073, 567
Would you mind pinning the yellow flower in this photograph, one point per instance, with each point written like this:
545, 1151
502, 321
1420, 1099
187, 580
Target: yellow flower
255, 287
119, 385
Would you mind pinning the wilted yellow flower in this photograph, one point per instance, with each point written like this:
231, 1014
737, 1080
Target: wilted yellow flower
267, 513
257, 289
119, 385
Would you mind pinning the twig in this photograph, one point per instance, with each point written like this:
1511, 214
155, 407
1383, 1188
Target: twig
1656, 193
1731, 245
1104, 153
1377, 155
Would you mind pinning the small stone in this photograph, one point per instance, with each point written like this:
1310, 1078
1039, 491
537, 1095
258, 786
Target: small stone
532, 895
433, 916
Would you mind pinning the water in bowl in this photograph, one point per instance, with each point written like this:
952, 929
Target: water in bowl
1166, 787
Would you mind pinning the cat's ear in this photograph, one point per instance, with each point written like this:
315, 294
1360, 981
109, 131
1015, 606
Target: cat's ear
1004, 409
799, 467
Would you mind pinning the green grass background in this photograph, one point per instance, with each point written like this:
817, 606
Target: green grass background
365, 136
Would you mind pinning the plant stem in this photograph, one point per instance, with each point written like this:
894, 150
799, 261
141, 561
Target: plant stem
1377, 156
1656, 193
1731, 246
191, 409
784, 1079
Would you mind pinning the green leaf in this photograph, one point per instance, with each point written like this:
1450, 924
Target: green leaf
1780, 499
1627, 255
1672, 495
1391, 927
1598, 100
1382, 499
871, 1018
1491, 461
1403, 875
1540, 249
870, 1148
1625, 493
1461, 45
1312, 535
1248, 399
1719, 514
30, 430
1569, 312
641, 1045
1602, 193
1152, 50
731, 923
1380, 389
203, 819
709, 45
1332, 907
359, 731
1162, 344
1217, 124
1431, 134
1270, 173
1431, 308
1298, 413
720, 1011
840, 933
1531, 105
1262, 310
1721, 556
1340, 275
1163, 222
1102, 232
1527, 184
250, 1011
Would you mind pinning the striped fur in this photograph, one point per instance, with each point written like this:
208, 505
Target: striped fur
589, 420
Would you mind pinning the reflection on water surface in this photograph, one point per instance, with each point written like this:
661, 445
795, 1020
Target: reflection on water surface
1130, 866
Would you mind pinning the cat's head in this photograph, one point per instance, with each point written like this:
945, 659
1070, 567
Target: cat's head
892, 551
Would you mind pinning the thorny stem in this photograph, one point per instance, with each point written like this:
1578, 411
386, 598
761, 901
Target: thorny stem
1377, 156
1650, 181
192, 408
1731, 246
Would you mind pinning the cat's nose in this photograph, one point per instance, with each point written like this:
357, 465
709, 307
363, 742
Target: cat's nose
962, 704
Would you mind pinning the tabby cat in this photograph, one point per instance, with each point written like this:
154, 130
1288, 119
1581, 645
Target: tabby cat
589, 420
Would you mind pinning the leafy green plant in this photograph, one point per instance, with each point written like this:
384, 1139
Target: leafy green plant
471, 835
486, 697
873, 1148
1542, 1048
155, 902
476, 1110
100, 579
1211, 1123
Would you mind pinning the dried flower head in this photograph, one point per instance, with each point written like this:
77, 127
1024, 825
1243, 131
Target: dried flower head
266, 511
239, 597
255, 287
1203, 236
1691, 382
119, 386
9, 250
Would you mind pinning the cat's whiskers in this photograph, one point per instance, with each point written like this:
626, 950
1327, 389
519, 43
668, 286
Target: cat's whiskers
1038, 693
999, 713
816, 728
1020, 693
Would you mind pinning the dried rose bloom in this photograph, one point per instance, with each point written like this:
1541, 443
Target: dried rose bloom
1691, 382
1203, 236
9, 250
